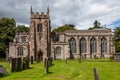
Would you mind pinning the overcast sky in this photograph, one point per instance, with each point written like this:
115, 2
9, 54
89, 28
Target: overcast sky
81, 13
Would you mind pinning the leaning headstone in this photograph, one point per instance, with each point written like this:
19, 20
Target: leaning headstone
95, 74
2, 70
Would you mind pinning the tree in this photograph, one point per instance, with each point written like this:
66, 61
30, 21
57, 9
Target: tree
116, 39
7, 33
21, 28
64, 27
96, 25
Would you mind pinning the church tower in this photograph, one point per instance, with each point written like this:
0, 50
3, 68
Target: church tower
40, 34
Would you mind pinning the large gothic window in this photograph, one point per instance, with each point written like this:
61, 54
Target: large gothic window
103, 45
93, 45
58, 50
39, 28
83, 45
72, 45
20, 51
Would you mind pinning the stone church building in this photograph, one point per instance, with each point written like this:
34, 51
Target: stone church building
41, 43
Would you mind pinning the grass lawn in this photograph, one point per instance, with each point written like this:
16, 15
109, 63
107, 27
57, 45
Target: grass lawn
71, 71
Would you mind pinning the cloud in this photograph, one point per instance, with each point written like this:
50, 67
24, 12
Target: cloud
81, 13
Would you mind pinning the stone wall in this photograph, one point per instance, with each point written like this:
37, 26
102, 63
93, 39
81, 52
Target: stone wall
88, 35
13, 52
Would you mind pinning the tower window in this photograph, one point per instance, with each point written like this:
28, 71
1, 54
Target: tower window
23, 39
39, 28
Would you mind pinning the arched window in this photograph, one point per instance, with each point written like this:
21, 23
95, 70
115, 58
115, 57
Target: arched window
72, 45
58, 50
83, 45
103, 45
19, 51
39, 28
93, 45
23, 39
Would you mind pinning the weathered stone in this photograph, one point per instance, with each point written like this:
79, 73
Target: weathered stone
13, 65
39, 45
3, 70
95, 74
18, 64
46, 65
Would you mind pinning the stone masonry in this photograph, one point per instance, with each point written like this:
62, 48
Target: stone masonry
40, 43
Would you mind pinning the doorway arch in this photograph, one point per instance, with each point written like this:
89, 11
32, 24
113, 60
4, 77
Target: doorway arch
40, 56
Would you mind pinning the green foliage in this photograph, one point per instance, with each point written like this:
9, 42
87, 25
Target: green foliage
7, 33
96, 25
21, 28
64, 27
71, 71
116, 39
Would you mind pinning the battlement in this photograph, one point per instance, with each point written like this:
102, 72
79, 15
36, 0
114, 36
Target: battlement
37, 15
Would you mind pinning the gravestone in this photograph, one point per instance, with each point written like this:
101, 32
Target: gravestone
13, 65
95, 74
18, 64
117, 57
46, 65
2, 70
31, 59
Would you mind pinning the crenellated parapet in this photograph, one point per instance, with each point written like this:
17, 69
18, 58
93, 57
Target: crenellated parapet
37, 15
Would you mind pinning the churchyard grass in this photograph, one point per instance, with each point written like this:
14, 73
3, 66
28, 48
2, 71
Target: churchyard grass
74, 70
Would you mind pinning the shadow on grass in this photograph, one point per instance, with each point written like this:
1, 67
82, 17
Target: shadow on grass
4, 75
50, 72
51, 65
30, 67
98, 60
44, 75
